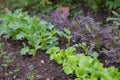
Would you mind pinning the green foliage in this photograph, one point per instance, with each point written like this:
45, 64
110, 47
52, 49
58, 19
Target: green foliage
43, 6
116, 24
6, 61
46, 6
20, 26
65, 3
83, 67
67, 35
17, 3
40, 6
1, 45
1, 8
30, 76
98, 4
84, 46
113, 4
115, 20
35, 6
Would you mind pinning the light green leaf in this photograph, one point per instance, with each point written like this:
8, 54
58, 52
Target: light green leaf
24, 50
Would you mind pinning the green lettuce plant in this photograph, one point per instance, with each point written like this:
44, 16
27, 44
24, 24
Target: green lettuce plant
83, 67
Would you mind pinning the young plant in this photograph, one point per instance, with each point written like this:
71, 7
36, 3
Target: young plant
6, 61
116, 25
30, 76
115, 20
67, 34
83, 46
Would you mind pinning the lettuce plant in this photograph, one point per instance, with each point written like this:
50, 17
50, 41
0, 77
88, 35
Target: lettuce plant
83, 67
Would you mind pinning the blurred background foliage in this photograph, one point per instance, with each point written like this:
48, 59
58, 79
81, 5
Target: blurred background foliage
45, 6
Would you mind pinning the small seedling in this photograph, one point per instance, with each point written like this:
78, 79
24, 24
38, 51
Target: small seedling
67, 35
30, 76
6, 61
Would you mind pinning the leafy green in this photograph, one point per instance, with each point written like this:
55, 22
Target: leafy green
20, 26
83, 67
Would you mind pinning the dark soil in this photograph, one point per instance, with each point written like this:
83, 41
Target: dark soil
40, 66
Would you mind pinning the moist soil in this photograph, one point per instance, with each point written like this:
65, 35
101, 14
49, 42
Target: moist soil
24, 67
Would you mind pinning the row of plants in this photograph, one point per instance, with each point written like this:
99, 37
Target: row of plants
39, 34
83, 67
42, 35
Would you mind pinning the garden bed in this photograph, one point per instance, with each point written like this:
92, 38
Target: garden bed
14, 66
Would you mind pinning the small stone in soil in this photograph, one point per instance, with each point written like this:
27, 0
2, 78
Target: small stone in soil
42, 61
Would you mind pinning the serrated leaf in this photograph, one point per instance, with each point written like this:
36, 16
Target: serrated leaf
67, 70
20, 36
24, 50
